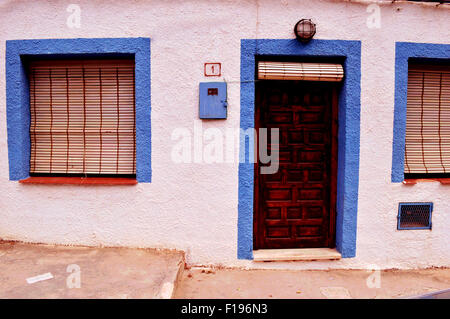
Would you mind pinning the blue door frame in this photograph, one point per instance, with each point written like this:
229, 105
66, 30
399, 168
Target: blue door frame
348, 134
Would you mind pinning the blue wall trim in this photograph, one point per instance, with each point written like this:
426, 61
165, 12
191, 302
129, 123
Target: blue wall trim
17, 93
348, 135
403, 52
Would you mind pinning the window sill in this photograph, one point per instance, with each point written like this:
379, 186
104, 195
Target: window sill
414, 181
79, 180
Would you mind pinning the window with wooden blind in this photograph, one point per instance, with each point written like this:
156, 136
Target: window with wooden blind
329, 72
82, 117
427, 144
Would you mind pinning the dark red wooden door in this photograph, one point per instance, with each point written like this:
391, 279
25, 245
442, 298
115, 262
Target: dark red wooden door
295, 207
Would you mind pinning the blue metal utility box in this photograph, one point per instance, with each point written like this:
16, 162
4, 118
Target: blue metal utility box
213, 100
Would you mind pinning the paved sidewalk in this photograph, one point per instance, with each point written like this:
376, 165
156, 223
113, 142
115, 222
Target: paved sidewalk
151, 273
235, 283
103, 272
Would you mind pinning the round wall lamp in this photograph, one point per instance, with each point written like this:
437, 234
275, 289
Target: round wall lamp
304, 30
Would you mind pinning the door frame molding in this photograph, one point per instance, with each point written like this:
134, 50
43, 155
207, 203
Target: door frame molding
348, 134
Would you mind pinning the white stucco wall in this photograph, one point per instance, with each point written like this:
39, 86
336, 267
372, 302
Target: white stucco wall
193, 207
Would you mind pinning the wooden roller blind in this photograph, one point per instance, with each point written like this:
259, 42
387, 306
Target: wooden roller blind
82, 117
300, 71
427, 148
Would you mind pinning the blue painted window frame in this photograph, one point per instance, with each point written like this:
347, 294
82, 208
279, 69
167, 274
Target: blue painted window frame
348, 134
403, 52
17, 93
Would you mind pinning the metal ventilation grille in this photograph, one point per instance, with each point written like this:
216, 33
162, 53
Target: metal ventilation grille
414, 215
